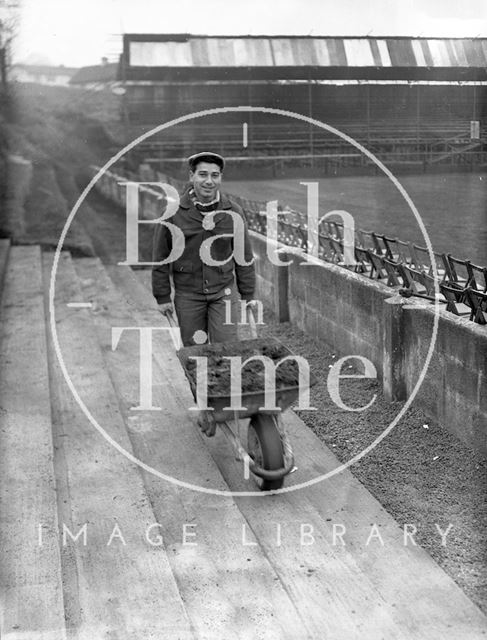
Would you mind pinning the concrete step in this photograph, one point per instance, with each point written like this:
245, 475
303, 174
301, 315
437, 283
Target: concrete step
424, 602
402, 581
30, 566
230, 590
117, 584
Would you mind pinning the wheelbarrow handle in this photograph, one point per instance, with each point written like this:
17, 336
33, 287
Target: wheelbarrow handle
170, 318
252, 324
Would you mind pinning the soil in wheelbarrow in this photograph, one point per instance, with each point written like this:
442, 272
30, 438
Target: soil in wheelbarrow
253, 373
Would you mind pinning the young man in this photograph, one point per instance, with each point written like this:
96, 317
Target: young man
203, 291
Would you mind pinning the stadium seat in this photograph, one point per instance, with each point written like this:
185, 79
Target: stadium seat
422, 262
395, 275
455, 299
325, 250
383, 245
379, 270
460, 272
401, 251
363, 262
477, 301
366, 240
478, 277
333, 228
337, 250
417, 281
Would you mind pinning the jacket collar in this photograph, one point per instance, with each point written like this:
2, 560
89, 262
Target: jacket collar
185, 202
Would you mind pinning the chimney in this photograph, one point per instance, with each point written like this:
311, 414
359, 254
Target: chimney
104, 60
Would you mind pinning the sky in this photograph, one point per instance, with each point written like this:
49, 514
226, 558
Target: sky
80, 32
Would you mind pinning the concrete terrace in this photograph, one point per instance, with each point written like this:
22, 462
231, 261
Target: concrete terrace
225, 566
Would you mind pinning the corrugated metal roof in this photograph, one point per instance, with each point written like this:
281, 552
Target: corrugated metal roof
183, 50
359, 53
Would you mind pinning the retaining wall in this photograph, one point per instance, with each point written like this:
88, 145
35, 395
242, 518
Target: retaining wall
454, 390
358, 316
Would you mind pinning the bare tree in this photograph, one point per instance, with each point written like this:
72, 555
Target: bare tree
9, 26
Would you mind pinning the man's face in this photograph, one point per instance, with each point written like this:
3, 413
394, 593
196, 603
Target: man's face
206, 180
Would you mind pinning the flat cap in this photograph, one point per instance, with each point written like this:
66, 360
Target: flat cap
206, 156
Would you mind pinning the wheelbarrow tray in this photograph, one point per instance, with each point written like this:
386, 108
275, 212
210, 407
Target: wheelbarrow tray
252, 401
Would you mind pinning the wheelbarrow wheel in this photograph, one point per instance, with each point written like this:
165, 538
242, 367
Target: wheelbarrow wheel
264, 446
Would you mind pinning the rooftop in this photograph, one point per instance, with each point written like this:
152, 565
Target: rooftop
186, 50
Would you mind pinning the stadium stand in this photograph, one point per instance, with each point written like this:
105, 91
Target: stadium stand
416, 103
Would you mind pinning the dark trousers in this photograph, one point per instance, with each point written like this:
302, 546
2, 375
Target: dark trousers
208, 313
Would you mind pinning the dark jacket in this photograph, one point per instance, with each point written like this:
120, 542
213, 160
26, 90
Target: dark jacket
189, 272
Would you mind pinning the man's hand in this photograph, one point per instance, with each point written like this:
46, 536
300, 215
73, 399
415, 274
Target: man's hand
165, 308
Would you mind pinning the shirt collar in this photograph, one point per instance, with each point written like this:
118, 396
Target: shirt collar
204, 207
185, 201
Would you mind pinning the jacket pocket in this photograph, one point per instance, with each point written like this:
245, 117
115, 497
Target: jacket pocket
183, 275
182, 266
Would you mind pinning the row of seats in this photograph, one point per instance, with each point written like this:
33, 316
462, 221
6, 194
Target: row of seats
459, 284
228, 136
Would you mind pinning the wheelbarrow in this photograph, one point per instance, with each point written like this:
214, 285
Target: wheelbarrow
268, 456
